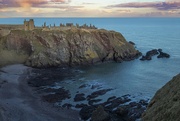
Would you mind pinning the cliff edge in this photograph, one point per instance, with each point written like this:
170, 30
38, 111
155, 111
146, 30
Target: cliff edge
165, 104
42, 48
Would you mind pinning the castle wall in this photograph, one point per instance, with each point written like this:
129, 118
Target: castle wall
29, 25
26, 25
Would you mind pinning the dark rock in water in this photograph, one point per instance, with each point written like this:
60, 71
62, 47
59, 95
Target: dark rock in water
143, 58
116, 102
98, 93
111, 98
86, 112
131, 111
81, 105
83, 86
132, 43
79, 97
159, 50
143, 102
91, 102
62, 94
163, 55
94, 86
67, 105
153, 52
99, 114
122, 111
118, 109
149, 55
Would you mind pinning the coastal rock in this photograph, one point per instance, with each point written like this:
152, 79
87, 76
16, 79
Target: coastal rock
79, 97
162, 54
149, 54
117, 108
81, 105
62, 94
132, 43
86, 112
97, 93
164, 106
70, 47
153, 52
99, 114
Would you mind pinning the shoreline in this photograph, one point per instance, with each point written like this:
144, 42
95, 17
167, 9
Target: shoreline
19, 103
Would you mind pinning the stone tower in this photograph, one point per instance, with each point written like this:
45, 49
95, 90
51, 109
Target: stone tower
28, 25
31, 24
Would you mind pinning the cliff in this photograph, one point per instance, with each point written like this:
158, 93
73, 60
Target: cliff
41, 48
165, 104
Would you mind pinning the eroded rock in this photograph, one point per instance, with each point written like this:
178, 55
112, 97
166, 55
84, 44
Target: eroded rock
70, 47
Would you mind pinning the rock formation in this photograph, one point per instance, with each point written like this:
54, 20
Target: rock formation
153, 52
38, 48
100, 115
165, 104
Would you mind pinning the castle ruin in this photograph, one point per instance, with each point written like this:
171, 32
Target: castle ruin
29, 25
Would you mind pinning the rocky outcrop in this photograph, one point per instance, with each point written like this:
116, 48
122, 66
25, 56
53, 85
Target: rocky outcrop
165, 104
153, 52
100, 115
75, 46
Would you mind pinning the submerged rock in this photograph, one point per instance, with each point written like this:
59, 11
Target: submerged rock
164, 106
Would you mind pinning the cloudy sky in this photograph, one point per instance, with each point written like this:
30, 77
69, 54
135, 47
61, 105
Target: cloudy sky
89, 8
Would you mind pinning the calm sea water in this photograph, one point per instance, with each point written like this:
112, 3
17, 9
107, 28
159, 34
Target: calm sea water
137, 78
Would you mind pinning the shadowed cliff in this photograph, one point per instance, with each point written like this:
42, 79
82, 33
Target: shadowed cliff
75, 46
165, 104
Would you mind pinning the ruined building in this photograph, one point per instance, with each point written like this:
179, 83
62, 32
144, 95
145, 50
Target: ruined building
29, 25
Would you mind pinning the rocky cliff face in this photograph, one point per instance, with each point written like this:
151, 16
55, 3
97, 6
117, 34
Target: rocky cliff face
165, 104
39, 48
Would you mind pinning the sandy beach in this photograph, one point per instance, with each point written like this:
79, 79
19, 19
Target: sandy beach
18, 103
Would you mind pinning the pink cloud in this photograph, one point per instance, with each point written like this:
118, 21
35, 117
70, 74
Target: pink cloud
156, 5
29, 3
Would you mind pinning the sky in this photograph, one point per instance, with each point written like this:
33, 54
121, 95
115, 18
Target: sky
89, 8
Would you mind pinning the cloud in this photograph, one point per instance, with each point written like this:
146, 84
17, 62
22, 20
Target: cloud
30, 3
125, 11
157, 5
85, 3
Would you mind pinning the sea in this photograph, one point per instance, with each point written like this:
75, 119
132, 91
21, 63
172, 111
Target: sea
140, 79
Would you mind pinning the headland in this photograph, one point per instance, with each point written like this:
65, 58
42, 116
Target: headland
62, 45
